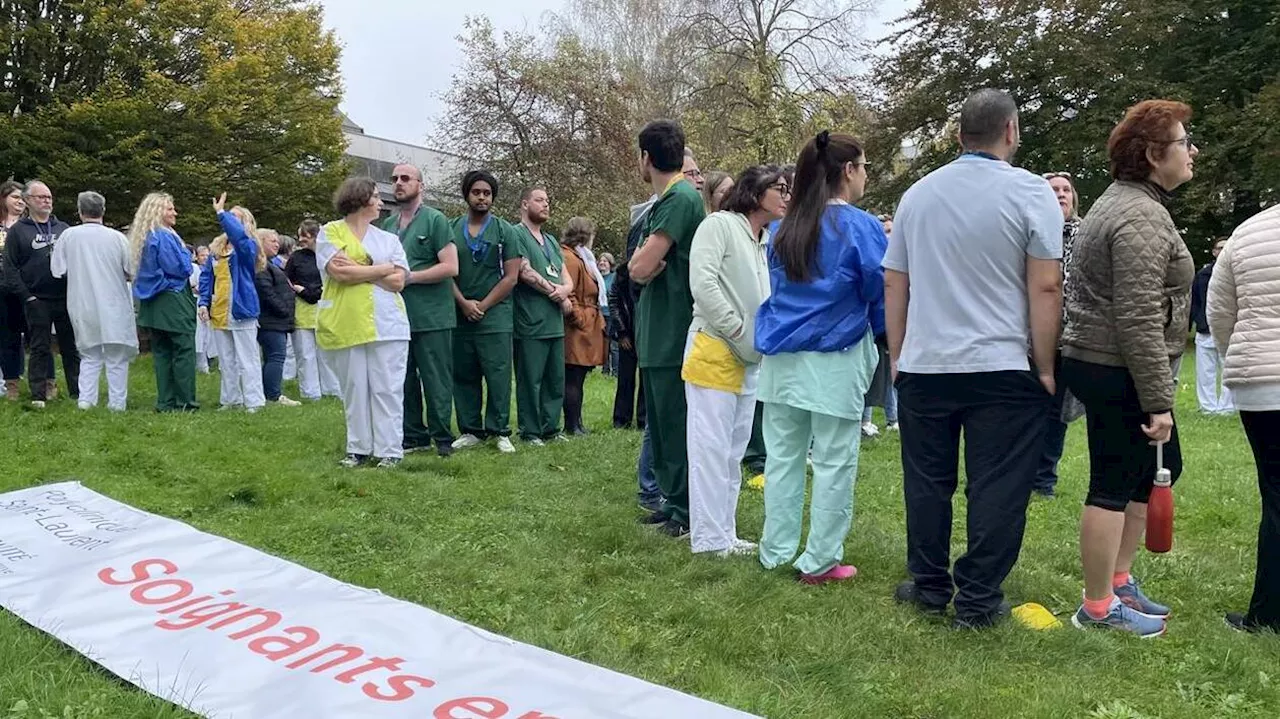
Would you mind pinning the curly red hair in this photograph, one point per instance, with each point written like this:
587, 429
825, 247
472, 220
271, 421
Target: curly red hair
1146, 126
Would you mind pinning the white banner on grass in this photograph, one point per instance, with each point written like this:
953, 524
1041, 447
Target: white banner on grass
228, 631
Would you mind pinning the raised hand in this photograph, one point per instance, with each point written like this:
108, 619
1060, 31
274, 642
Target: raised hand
220, 202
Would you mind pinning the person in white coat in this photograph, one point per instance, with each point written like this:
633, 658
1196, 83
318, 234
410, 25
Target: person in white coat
96, 261
729, 280
361, 321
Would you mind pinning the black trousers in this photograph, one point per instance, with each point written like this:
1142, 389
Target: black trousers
1263, 430
628, 402
575, 376
42, 317
1002, 416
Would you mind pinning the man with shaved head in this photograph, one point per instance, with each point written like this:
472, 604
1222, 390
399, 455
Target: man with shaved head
428, 299
28, 253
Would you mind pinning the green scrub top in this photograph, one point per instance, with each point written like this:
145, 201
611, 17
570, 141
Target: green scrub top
430, 307
537, 316
665, 309
480, 269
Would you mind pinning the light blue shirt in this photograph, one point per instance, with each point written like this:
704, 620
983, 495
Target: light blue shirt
963, 234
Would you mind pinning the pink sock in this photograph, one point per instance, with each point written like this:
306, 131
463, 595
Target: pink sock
1119, 579
1098, 608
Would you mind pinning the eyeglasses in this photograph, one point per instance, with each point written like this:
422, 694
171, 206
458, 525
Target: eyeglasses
693, 174
40, 197
1055, 175
1185, 141
403, 178
782, 188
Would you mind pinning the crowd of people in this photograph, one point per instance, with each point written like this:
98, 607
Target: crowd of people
752, 320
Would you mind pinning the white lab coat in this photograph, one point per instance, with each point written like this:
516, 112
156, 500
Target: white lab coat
96, 262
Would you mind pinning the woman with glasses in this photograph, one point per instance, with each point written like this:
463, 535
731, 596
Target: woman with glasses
362, 323
817, 333
1128, 305
1065, 408
729, 279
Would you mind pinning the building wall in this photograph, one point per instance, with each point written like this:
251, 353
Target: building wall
376, 157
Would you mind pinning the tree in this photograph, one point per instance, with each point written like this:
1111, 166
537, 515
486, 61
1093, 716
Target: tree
1074, 68
188, 97
767, 71
550, 111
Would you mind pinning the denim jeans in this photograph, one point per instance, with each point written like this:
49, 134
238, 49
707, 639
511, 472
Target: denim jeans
890, 407
273, 353
649, 490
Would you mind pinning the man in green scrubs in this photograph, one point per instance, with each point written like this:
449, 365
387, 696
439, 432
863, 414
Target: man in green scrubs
664, 312
489, 254
428, 299
542, 300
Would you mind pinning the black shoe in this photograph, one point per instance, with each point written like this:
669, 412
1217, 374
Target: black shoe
658, 517
1045, 492
415, 447
908, 593
984, 621
351, 461
652, 506
579, 432
444, 449
622, 425
675, 530
1241, 623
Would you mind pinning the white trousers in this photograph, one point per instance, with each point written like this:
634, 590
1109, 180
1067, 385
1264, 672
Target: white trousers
241, 368
206, 346
114, 358
717, 430
290, 359
315, 370
373, 396
1208, 367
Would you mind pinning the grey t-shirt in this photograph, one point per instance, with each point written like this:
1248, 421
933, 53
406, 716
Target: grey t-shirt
963, 234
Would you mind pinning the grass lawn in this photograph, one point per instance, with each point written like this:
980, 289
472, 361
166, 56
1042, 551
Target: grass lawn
543, 547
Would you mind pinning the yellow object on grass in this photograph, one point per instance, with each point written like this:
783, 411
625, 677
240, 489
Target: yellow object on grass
756, 482
1034, 616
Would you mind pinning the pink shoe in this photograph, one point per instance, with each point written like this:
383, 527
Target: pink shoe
838, 573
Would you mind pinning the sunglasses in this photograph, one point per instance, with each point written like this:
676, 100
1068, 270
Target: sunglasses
1055, 175
403, 178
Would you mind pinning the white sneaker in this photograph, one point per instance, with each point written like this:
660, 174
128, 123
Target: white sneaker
286, 402
37, 404
869, 429
84, 406
465, 441
893, 427
535, 442
739, 548
504, 445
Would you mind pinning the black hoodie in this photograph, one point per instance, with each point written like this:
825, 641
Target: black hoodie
27, 252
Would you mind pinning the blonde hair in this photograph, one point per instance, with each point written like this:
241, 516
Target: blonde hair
150, 216
219, 246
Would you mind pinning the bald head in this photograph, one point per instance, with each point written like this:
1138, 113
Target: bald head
407, 183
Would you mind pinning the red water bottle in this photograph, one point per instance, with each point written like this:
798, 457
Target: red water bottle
1160, 508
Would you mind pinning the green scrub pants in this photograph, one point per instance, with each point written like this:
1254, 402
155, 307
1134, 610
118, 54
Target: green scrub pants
482, 362
429, 374
665, 409
787, 432
174, 354
539, 387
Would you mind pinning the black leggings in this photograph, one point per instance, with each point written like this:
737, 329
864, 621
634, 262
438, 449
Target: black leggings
574, 377
1263, 428
1122, 461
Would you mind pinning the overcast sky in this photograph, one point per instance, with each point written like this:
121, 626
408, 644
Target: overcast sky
398, 55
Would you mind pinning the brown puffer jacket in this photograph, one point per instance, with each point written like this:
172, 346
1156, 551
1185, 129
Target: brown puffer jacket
1128, 302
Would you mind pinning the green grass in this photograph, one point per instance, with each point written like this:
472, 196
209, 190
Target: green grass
543, 547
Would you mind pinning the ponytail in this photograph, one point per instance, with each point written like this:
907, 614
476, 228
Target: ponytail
819, 176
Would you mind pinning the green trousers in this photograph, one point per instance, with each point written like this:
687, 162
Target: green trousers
835, 441
429, 375
753, 460
482, 362
175, 359
665, 421
539, 387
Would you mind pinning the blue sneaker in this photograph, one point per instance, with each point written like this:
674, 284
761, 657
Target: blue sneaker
1134, 599
1120, 617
